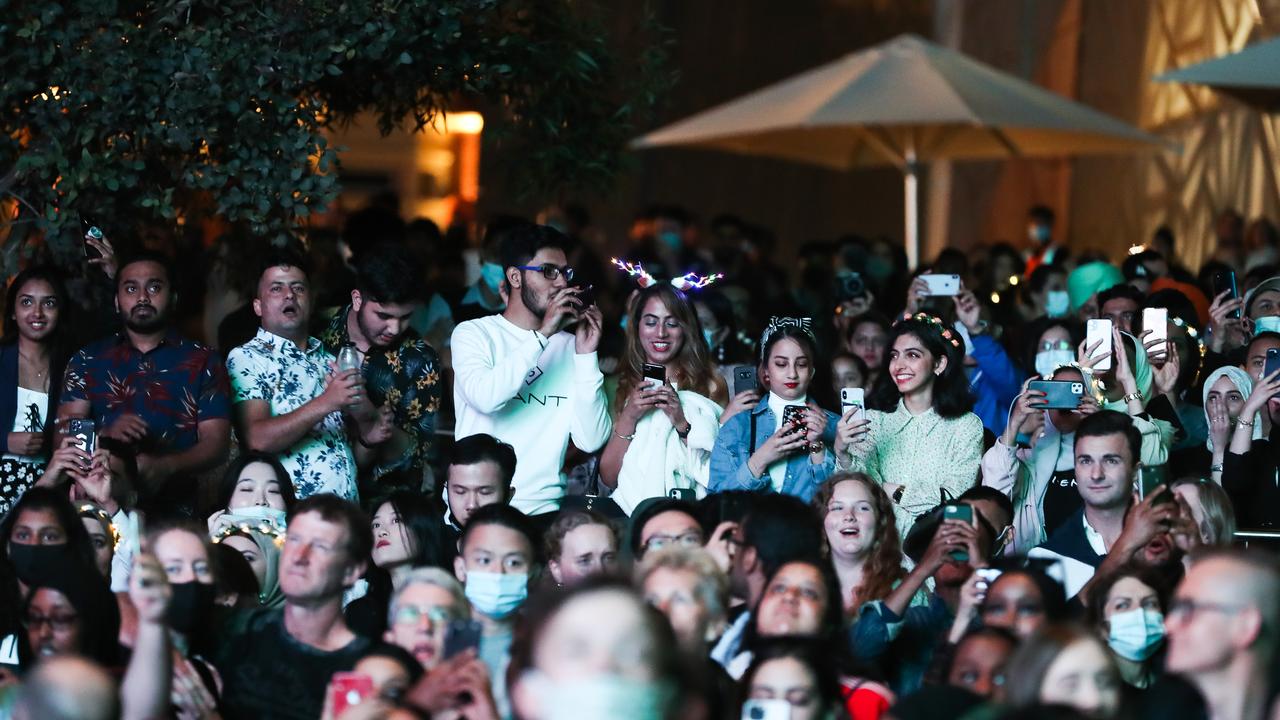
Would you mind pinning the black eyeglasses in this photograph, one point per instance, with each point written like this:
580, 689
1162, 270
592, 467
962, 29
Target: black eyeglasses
59, 623
550, 272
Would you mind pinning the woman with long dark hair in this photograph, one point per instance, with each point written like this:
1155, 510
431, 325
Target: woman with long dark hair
663, 431
923, 437
407, 533
756, 449
33, 353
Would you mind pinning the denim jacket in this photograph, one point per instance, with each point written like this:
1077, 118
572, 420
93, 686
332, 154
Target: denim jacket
733, 447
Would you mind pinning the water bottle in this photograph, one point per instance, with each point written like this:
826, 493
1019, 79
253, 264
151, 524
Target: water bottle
349, 359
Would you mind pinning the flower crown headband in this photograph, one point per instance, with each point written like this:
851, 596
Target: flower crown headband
688, 281
263, 528
776, 323
91, 510
946, 332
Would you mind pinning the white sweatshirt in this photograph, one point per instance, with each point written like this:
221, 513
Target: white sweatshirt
532, 392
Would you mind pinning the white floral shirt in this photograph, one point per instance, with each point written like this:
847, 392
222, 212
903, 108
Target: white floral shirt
275, 370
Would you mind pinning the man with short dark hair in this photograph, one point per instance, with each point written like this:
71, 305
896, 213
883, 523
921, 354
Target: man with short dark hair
147, 386
276, 663
290, 399
401, 371
524, 378
1106, 533
497, 558
1120, 304
1223, 626
480, 473
771, 534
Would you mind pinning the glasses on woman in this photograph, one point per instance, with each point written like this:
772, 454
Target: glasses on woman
551, 272
1055, 345
687, 540
60, 622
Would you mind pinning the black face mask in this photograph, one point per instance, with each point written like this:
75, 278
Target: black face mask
191, 605
34, 564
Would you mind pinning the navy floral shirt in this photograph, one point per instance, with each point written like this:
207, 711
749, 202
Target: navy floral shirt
174, 387
407, 376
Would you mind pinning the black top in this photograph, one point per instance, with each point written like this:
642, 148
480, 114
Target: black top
1061, 500
1252, 481
267, 674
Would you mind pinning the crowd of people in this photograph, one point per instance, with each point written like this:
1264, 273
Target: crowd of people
406, 475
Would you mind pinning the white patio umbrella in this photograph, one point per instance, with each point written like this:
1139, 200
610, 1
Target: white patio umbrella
1252, 75
904, 102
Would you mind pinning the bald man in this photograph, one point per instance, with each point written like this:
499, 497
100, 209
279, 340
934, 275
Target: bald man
1222, 627
67, 688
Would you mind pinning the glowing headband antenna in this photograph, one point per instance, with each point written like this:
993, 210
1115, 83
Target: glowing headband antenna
635, 270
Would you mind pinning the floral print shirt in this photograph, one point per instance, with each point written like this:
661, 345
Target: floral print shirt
407, 376
277, 371
173, 387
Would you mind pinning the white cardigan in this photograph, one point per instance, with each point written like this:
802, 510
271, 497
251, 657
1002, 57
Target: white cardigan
658, 461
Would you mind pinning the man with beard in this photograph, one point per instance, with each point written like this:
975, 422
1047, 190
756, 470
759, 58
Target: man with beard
150, 388
290, 398
401, 371
523, 378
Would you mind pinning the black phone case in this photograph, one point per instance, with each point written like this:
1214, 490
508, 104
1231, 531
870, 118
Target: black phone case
745, 380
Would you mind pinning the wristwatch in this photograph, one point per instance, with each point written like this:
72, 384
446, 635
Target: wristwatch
1134, 396
688, 428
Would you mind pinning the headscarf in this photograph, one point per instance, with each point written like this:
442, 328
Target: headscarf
1243, 383
269, 540
1141, 373
1091, 278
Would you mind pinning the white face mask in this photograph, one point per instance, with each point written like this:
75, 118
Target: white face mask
1057, 303
1049, 360
1136, 634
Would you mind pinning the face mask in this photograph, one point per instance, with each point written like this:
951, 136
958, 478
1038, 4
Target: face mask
34, 563
255, 513
1270, 323
602, 696
706, 335
492, 275
496, 595
1136, 634
671, 239
1039, 233
1049, 360
1057, 303
190, 606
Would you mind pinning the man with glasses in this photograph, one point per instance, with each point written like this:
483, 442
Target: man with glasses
1223, 627
659, 523
530, 376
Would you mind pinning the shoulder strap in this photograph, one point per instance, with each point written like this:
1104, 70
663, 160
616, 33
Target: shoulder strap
751, 450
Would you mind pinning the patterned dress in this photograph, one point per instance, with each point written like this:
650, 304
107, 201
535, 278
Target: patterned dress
275, 370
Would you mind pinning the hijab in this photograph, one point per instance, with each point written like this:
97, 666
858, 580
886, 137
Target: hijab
1243, 383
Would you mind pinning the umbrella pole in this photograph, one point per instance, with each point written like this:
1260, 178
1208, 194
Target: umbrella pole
911, 202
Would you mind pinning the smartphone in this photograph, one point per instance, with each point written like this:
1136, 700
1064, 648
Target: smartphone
766, 710
1155, 326
793, 416
586, 295
348, 689
853, 397
1099, 330
1059, 394
84, 430
88, 226
964, 514
1273, 364
461, 636
745, 380
942, 284
656, 374
1225, 281
686, 494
